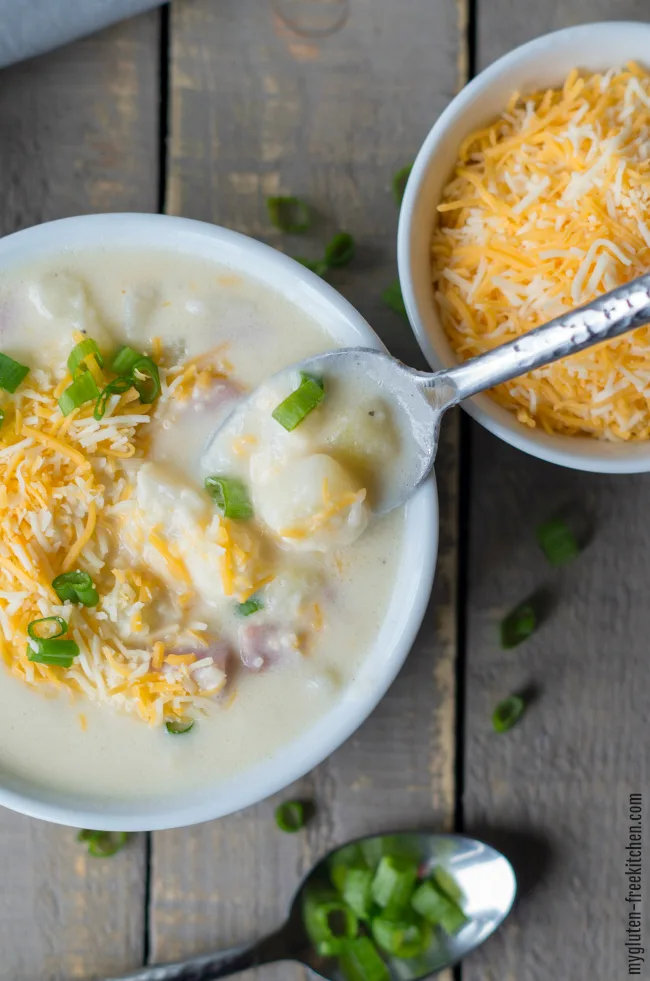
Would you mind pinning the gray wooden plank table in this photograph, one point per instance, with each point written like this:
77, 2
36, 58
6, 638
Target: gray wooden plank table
559, 790
204, 109
78, 133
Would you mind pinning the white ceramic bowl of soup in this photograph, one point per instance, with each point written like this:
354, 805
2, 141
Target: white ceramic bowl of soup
544, 62
406, 604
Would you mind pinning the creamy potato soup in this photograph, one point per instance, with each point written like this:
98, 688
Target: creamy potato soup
170, 616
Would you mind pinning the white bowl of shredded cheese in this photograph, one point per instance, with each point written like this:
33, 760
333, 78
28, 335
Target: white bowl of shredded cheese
529, 197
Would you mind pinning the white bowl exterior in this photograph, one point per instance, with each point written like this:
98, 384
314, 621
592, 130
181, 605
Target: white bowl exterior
408, 601
543, 62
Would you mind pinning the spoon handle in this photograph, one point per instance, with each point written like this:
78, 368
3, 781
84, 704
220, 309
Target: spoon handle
212, 966
606, 317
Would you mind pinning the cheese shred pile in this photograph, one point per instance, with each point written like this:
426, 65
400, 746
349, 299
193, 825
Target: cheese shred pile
63, 481
548, 207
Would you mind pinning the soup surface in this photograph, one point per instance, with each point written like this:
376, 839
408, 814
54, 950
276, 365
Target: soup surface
201, 625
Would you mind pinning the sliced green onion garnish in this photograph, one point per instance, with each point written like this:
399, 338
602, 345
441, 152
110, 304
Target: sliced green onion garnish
125, 360
446, 882
318, 266
11, 373
326, 918
381, 905
299, 404
117, 387
453, 920
146, 380
37, 632
177, 728
507, 713
103, 844
373, 850
518, 625
306, 376
431, 903
76, 587
394, 882
344, 859
81, 351
230, 496
401, 938
249, 607
340, 250
2, 416
338, 875
83, 389
361, 961
331, 948
392, 297
557, 541
399, 182
333, 921
59, 653
357, 891
289, 214
290, 816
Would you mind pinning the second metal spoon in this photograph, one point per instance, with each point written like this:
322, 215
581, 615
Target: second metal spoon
485, 877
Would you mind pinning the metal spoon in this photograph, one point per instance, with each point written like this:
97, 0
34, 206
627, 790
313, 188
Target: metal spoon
484, 875
421, 398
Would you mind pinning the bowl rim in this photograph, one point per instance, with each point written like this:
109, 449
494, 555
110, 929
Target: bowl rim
575, 452
310, 747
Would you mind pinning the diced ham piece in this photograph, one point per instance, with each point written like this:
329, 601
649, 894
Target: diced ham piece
222, 393
264, 644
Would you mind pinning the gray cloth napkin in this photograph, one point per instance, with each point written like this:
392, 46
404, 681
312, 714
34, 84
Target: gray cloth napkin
29, 27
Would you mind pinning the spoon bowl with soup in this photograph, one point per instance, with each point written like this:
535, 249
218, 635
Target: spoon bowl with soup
354, 431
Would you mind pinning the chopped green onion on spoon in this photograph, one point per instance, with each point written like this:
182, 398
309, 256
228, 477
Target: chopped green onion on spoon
297, 406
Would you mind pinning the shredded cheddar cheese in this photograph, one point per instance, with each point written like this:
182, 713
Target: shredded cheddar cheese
175, 563
62, 484
175, 659
548, 207
243, 570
